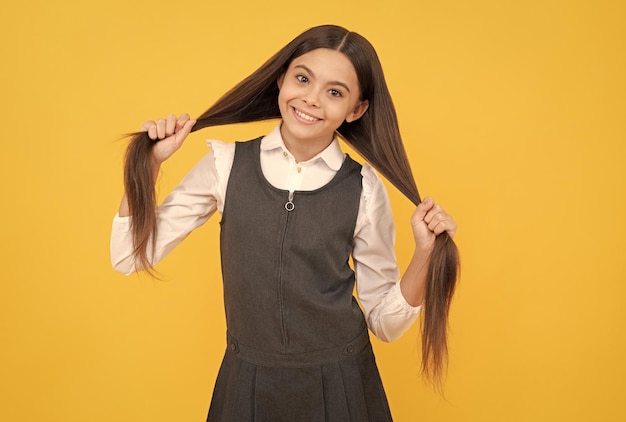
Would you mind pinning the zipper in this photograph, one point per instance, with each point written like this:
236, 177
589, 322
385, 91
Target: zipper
289, 206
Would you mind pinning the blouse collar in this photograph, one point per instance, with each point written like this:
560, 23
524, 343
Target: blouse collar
332, 155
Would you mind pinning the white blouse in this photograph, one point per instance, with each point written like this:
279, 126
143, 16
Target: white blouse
201, 193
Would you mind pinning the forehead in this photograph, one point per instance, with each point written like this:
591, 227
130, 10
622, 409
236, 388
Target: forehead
327, 64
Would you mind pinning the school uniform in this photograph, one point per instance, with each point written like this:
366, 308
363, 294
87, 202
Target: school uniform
297, 344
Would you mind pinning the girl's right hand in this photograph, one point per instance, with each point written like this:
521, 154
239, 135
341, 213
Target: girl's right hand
169, 134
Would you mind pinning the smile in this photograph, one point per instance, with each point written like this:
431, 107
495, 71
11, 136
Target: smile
305, 116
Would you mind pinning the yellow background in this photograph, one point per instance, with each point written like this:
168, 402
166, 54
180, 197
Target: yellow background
514, 117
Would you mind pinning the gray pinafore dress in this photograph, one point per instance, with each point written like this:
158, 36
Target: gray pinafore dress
298, 346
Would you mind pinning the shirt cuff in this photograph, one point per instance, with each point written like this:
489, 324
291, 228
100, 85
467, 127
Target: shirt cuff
393, 315
397, 303
118, 219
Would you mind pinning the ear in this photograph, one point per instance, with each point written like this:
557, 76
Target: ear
358, 111
280, 80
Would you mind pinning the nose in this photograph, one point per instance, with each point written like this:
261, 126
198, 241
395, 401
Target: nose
311, 97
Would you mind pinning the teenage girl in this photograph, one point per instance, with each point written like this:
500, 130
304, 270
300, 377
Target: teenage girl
294, 208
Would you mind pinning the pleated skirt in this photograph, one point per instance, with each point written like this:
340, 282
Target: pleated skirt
341, 385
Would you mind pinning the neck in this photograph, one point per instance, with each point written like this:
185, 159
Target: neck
303, 153
304, 150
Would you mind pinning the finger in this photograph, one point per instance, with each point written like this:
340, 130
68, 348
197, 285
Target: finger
434, 212
184, 118
439, 226
160, 128
422, 209
150, 127
170, 125
435, 221
184, 131
152, 133
147, 125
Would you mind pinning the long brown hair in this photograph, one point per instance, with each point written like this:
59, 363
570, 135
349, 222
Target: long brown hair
376, 136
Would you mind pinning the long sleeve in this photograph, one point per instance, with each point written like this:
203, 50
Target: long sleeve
199, 195
387, 313
202, 193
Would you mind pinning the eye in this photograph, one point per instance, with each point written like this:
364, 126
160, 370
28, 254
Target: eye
301, 78
335, 93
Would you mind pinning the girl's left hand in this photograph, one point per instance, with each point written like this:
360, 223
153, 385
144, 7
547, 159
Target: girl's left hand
428, 221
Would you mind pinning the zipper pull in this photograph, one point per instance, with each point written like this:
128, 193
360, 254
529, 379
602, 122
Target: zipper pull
289, 206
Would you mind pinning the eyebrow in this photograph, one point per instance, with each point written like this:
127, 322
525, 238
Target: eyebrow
313, 74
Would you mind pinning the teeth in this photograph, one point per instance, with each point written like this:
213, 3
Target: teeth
305, 116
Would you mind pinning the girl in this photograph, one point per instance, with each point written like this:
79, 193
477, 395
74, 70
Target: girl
294, 208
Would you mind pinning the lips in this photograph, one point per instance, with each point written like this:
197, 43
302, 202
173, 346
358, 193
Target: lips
302, 116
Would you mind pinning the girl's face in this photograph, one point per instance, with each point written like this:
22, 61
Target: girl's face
318, 92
